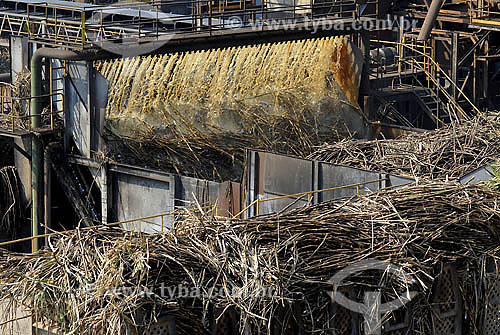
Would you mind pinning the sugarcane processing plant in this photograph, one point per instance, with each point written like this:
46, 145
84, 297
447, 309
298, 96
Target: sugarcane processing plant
250, 167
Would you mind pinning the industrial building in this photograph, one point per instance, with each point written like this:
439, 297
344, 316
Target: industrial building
127, 114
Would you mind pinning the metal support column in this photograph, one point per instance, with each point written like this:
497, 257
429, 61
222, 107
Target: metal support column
36, 149
104, 194
48, 193
454, 63
316, 183
486, 76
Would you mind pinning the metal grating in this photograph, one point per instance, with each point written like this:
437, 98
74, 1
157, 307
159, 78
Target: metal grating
287, 320
226, 324
491, 324
447, 303
399, 322
342, 321
165, 326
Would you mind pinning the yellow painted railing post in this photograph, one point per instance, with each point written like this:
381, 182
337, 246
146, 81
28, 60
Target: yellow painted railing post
257, 208
82, 13
162, 223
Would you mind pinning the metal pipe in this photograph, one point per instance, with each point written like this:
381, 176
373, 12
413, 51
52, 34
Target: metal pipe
36, 141
5, 77
430, 20
47, 192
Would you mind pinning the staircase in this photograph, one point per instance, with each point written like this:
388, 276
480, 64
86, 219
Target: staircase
432, 105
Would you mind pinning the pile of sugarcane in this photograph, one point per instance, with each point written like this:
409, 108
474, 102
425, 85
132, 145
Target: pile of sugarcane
4, 59
15, 106
212, 154
448, 152
198, 111
104, 279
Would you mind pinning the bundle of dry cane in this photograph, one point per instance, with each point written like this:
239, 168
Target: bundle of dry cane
95, 281
448, 152
10, 203
211, 153
16, 104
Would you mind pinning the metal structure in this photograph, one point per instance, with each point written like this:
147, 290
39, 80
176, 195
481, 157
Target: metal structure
450, 60
85, 26
445, 68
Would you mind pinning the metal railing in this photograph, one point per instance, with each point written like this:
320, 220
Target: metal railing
480, 11
310, 195
212, 210
430, 68
147, 219
79, 26
15, 110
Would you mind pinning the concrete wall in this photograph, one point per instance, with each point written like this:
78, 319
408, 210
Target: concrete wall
19, 327
19, 59
22, 161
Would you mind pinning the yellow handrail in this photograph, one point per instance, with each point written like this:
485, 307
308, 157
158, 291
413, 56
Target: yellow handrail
434, 63
214, 210
301, 194
114, 224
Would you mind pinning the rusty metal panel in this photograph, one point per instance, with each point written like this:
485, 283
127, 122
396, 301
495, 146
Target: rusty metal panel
282, 175
189, 191
271, 175
229, 199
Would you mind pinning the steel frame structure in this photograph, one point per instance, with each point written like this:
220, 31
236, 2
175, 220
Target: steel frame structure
78, 26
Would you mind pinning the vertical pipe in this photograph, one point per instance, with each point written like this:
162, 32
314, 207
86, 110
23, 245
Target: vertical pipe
82, 13
36, 147
48, 193
486, 77
51, 97
36, 142
364, 89
474, 79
